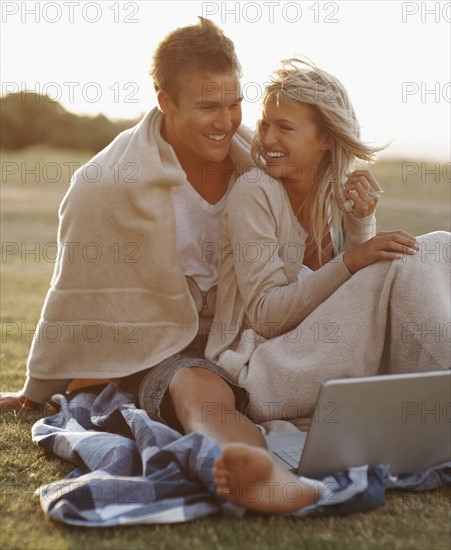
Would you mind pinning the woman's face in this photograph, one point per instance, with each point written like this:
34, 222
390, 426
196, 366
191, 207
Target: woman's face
292, 143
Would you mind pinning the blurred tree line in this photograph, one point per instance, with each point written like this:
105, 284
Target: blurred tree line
28, 118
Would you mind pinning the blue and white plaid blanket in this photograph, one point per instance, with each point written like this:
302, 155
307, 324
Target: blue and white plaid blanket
134, 470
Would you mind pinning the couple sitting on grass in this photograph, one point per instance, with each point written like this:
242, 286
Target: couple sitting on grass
264, 243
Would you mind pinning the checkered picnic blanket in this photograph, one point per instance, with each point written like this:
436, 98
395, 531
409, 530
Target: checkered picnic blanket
133, 470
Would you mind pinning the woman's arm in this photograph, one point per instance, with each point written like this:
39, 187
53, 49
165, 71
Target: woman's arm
386, 245
358, 230
272, 304
364, 247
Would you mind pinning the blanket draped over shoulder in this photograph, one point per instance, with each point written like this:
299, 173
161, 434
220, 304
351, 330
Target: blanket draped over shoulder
118, 302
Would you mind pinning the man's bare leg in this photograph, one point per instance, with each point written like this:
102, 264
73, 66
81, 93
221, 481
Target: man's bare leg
245, 473
204, 402
249, 477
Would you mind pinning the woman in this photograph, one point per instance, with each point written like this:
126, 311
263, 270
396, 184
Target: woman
307, 291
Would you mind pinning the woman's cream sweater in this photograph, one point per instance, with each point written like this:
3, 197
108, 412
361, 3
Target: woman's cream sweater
261, 255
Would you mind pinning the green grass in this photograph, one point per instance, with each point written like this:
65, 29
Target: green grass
29, 215
416, 203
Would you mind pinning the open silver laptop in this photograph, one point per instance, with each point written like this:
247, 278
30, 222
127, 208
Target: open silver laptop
403, 420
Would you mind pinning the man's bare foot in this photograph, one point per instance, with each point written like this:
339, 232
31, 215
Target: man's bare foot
14, 401
249, 477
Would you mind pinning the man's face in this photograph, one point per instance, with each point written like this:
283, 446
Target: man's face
201, 124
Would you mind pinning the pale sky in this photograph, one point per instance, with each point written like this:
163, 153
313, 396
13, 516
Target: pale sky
393, 57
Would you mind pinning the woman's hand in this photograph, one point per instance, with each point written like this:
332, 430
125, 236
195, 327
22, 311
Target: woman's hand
363, 191
386, 245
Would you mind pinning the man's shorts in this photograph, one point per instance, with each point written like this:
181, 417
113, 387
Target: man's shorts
150, 386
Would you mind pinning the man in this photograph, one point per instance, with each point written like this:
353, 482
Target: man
153, 199
133, 292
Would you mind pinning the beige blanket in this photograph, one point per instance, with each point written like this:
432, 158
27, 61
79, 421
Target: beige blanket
118, 301
391, 317
281, 332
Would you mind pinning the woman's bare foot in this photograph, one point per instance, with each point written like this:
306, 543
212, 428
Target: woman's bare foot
249, 477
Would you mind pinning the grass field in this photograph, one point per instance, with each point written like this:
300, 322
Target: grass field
413, 201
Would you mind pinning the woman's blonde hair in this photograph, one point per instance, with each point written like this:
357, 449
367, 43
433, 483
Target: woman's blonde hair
300, 81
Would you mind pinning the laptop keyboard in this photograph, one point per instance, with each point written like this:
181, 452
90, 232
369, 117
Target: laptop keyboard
290, 456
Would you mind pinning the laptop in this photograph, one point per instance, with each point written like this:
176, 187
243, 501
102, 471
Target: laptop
403, 420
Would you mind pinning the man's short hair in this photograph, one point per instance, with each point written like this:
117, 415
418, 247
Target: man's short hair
202, 47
